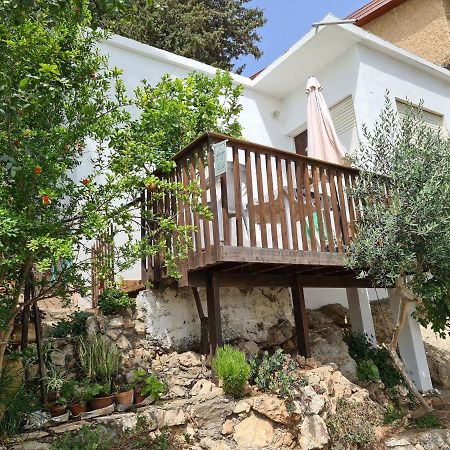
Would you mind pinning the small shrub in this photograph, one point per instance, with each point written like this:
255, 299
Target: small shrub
360, 349
75, 325
353, 425
85, 438
113, 301
427, 421
393, 414
368, 371
99, 359
153, 387
232, 369
276, 374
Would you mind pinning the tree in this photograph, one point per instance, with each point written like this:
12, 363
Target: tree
215, 32
61, 106
403, 237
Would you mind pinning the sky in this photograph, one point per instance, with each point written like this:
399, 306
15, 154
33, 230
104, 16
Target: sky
287, 22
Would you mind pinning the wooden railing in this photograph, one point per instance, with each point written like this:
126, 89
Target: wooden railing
266, 199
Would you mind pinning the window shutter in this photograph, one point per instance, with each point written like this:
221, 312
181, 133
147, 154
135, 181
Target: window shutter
433, 120
343, 115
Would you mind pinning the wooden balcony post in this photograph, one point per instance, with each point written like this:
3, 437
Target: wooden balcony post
301, 322
214, 315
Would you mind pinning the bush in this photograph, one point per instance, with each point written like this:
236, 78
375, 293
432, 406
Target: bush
360, 349
113, 301
74, 326
276, 374
84, 439
427, 421
232, 369
353, 425
393, 415
368, 371
99, 359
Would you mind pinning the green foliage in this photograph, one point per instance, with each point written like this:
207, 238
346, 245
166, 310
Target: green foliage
99, 359
75, 325
353, 425
114, 301
215, 32
152, 387
393, 415
232, 369
360, 349
407, 232
275, 373
85, 438
368, 371
427, 421
16, 401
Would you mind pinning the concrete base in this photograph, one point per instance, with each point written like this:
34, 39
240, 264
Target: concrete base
411, 346
360, 312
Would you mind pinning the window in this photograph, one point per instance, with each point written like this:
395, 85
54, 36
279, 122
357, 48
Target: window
301, 142
343, 115
434, 120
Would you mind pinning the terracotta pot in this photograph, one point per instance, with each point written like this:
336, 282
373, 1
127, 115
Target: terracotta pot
124, 398
138, 398
76, 409
57, 410
101, 402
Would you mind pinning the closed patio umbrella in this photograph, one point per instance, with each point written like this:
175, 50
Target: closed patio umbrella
323, 141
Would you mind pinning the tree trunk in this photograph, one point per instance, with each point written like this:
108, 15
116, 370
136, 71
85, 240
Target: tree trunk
392, 348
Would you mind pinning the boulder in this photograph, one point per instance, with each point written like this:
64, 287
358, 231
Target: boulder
313, 433
92, 327
253, 433
337, 313
227, 427
271, 407
279, 333
116, 322
439, 365
327, 345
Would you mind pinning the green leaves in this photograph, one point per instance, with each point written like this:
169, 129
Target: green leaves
403, 193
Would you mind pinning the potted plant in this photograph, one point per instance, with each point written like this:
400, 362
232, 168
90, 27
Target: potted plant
114, 301
81, 395
101, 396
58, 408
55, 380
124, 395
146, 385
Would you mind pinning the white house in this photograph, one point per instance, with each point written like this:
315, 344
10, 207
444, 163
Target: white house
356, 70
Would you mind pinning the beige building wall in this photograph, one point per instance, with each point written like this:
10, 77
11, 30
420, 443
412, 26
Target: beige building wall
420, 26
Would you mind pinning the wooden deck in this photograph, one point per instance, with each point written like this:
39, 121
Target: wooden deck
279, 219
275, 213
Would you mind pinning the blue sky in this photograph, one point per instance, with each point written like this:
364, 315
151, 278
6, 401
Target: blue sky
288, 21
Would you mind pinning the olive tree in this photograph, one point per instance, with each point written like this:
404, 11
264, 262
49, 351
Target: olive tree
403, 236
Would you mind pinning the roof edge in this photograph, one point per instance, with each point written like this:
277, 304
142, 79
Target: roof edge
373, 10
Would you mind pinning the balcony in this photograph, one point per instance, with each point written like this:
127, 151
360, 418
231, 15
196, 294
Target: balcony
276, 215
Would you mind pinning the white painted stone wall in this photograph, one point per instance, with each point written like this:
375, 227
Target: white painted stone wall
172, 319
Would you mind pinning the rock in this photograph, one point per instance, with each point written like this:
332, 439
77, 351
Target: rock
173, 417
250, 348
221, 446
58, 358
116, 322
313, 433
140, 329
97, 412
253, 433
114, 334
211, 412
398, 443
402, 390
314, 402
279, 333
327, 345
177, 391
32, 446
271, 407
123, 343
189, 359
202, 387
241, 407
439, 365
337, 313
92, 327
227, 427
33, 436
71, 426
426, 440
37, 419
118, 423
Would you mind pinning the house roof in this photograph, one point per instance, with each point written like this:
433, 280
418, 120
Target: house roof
316, 49
372, 10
